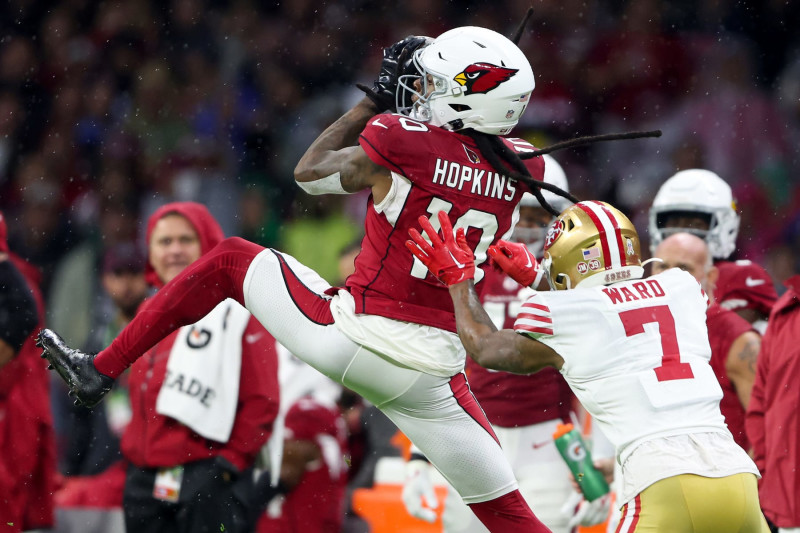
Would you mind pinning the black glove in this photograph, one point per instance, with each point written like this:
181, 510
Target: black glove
397, 60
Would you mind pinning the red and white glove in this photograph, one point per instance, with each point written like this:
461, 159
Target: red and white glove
584, 513
419, 495
517, 261
450, 261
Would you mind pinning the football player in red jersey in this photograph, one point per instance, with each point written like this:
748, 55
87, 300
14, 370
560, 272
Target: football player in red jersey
313, 471
699, 202
390, 333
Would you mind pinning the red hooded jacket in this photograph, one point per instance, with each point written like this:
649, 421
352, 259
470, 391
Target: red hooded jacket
154, 440
28, 475
773, 415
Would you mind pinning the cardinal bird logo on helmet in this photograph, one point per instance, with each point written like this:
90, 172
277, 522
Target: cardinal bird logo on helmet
483, 77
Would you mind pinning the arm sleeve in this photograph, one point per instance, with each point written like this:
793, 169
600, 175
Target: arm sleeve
18, 311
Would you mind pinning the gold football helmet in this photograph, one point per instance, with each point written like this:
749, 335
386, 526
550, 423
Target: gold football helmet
589, 244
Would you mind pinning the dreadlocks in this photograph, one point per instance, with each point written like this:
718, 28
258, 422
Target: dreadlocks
506, 161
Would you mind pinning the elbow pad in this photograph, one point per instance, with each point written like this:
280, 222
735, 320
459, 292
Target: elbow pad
18, 312
328, 185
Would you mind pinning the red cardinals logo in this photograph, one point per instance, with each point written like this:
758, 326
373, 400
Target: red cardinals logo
472, 155
483, 77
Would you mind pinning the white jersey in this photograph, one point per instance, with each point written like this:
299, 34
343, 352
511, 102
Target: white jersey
624, 359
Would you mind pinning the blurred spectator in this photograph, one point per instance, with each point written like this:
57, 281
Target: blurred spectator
310, 482
77, 302
773, 416
313, 474
42, 235
28, 458
11, 117
203, 400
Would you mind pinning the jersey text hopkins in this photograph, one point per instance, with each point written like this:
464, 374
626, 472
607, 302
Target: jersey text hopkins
457, 176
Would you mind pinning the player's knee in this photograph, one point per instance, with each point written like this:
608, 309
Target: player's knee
231, 244
238, 245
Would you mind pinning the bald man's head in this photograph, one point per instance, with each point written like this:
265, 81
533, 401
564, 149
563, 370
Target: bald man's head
690, 253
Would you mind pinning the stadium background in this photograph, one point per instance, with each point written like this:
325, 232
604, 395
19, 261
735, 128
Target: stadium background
109, 109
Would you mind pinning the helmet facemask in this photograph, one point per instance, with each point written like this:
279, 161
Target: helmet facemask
667, 226
413, 103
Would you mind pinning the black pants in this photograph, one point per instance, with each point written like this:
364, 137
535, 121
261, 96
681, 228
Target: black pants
214, 497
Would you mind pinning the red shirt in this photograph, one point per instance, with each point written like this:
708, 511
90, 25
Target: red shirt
773, 415
28, 459
724, 327
155, 440
317, 502
512, 400
437, 170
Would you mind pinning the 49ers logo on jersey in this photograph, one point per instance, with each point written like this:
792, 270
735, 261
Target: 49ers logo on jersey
480, 78
553, 233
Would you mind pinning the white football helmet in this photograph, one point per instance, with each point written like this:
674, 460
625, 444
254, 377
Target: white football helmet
533, 237
471, 77
700, 193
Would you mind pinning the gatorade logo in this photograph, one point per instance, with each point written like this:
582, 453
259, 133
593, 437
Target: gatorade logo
198, 338
576, 452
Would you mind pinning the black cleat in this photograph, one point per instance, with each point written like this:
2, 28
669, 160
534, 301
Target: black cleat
85, 382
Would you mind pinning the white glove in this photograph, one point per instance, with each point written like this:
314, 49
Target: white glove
418, 494
585, 513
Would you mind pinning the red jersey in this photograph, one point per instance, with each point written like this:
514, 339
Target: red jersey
317, 502
433, 169
512, 400
28, 473
154, 440
724, 327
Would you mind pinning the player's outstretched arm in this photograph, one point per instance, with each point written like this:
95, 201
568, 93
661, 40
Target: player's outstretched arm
335, 164
497, 350
450, 259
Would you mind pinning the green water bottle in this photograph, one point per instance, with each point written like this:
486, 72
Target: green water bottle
573, 449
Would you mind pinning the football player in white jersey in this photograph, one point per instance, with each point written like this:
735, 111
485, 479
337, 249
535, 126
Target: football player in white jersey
634, 351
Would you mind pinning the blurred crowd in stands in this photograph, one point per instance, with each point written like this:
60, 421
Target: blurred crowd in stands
109, 109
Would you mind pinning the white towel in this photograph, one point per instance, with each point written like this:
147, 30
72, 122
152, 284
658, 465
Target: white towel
201, 388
